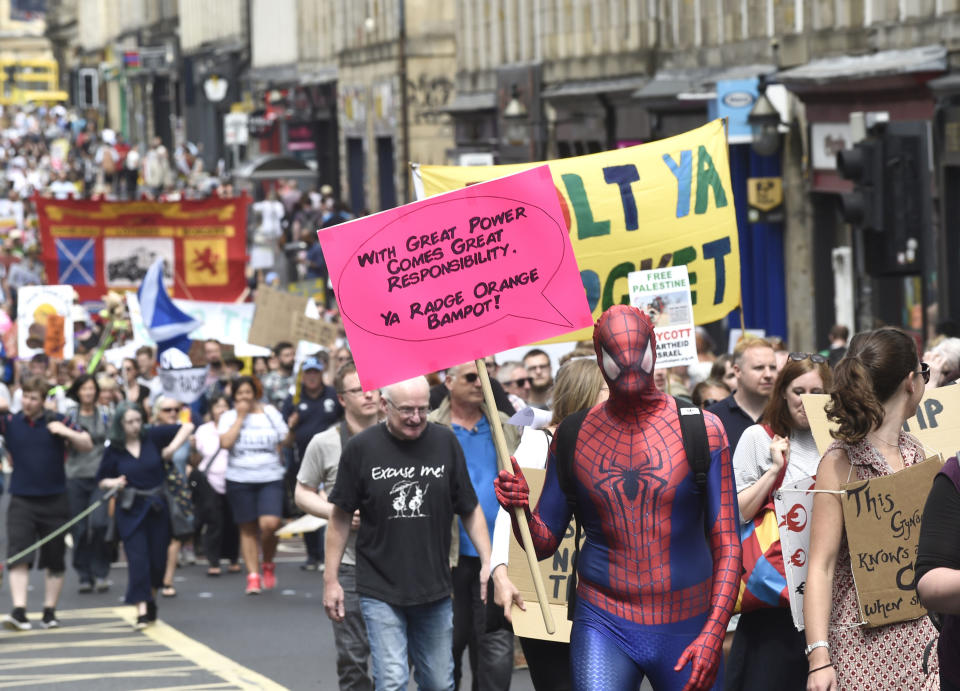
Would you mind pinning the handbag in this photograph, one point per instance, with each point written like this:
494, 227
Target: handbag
763, 581
179, 501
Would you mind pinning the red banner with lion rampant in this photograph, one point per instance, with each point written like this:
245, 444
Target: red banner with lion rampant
97, 246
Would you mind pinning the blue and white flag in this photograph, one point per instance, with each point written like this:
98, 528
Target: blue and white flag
166, 323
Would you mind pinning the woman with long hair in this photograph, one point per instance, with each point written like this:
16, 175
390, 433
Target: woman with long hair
133, 463
220, 538
131, 387
579, 384
91, 551
767, 651
877, 387
252, 433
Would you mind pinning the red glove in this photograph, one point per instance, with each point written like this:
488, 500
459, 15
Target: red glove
512, 490
704, 657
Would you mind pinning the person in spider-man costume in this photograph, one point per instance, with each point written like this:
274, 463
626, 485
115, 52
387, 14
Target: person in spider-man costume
659, 570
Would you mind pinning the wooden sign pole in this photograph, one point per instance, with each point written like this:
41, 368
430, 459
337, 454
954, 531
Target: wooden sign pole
503, 461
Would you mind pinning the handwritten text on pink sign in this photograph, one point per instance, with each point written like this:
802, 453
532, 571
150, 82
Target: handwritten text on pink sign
447, 268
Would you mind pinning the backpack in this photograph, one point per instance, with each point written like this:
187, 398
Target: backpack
696, 446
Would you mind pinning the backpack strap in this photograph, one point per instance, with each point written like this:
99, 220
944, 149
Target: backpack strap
566, 439
693, 429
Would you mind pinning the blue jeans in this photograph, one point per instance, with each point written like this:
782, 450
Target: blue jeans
425, 630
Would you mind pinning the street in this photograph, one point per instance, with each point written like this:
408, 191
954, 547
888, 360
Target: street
210, 636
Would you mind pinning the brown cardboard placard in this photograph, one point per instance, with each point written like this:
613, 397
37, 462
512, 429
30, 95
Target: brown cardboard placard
881, 517
279, 316
555, 570
936, 424
54, 339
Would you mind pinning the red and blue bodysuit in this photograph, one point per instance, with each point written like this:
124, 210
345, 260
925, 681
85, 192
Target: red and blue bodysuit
660, 566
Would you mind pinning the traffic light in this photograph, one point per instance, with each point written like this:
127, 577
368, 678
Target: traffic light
863, 164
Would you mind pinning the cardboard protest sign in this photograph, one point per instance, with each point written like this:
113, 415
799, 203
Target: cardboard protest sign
882, 521
454, 278
664, 294
794, 507
666, 203
280, 316
35, 307
185, 385
556, 571
936, 424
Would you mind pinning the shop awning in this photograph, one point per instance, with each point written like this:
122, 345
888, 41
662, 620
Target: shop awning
885, 63
589, 87
275, 167
677, 85
466, 102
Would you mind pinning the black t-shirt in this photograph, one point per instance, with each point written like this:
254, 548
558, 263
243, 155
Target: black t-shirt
315, 415
407, 493
734, 418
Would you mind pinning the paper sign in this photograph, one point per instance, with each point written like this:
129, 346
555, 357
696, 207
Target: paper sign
936, 424
53, 340
664, 294
882, 520
455, 277
185, 385
280, 316
794, 507
666, 203
35, 306
555, 571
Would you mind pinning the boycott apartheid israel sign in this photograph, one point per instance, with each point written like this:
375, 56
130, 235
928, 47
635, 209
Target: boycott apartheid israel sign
666, 203
882, 521
456, 277
664, 294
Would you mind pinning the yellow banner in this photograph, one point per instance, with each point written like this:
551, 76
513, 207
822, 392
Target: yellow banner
667, 203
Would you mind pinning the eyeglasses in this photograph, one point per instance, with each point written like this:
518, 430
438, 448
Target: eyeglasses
521, 382
814, 357
409, 411
706, 403
470, 377
170, 410
925, 372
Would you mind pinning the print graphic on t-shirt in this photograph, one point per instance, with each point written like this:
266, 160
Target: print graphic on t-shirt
408, 499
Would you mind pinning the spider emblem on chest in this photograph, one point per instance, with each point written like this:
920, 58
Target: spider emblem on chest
618, 482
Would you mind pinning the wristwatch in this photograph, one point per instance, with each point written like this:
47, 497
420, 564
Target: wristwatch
813, 646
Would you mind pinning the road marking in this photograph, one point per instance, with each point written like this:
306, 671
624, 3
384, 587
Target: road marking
104, 638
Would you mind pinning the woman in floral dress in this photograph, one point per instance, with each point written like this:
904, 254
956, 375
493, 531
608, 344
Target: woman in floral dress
877, 386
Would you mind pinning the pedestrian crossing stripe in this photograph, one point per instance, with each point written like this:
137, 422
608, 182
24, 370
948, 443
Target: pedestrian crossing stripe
76, 263
106, 639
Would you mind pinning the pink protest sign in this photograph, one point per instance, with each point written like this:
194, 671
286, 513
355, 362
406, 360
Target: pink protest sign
455, 277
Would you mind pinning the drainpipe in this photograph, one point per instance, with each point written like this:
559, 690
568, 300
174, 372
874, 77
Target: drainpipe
404, 114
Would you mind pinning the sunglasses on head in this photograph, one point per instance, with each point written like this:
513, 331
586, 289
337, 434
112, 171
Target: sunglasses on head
522, 381
814, 357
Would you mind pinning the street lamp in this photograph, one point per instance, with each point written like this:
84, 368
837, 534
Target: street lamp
515, 119
765, 122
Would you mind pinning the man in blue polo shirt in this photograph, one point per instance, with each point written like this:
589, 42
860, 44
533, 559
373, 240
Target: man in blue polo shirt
755, 366
464, 411
37, 442
317, 408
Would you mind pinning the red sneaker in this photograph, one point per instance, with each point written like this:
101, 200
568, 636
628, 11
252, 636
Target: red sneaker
253, 584
269, 575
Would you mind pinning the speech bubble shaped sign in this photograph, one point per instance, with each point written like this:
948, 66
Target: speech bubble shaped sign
457, 276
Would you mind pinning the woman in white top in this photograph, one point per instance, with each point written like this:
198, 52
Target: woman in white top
220, 539
252, 433
579, 385
767, 649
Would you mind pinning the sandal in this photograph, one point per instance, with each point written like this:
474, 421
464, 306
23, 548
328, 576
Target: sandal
234, 568
214, 571
168, 591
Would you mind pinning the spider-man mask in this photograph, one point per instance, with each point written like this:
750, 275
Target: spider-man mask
627, 352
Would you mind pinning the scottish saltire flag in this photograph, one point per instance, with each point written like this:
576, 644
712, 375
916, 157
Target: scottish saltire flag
76, 263
166, 323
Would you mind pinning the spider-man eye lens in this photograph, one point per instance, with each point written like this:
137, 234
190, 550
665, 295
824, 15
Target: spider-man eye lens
647, 364
610, 366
